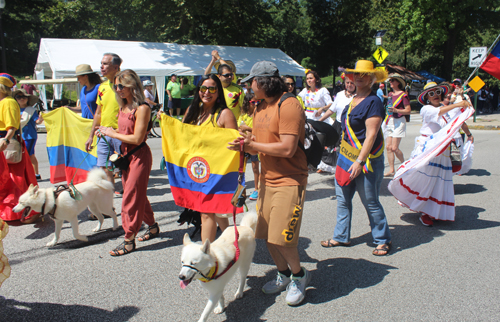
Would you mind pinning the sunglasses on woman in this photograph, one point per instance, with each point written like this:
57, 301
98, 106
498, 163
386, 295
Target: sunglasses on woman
289, 84
437, 92
18, 97
211, 89
119, 87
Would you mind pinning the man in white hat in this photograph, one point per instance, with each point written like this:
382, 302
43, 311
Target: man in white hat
278, 131
106, 114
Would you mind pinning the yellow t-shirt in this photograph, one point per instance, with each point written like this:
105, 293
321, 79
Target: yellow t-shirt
248, 119
109, 106
234, 96
10, 114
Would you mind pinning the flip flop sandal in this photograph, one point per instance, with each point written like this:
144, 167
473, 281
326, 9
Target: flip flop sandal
385, 248
328, 244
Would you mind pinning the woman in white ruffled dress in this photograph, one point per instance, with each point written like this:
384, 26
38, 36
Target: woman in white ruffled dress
425, 182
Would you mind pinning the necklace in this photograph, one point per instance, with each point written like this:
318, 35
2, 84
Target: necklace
202, 117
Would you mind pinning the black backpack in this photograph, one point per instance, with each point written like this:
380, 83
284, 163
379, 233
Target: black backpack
317, 136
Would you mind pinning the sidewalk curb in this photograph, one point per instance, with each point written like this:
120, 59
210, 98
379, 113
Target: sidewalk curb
484, 127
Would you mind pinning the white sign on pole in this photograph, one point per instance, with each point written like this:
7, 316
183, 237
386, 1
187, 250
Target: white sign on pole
476, 56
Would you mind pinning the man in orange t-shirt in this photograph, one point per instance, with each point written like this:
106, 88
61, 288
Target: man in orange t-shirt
275, 136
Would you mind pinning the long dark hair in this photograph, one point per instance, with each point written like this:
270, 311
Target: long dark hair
245, 108
94, 79
194, 110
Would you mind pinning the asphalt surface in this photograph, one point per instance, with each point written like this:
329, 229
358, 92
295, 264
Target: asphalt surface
449, 272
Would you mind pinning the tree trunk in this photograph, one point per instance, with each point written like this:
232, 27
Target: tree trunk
448, 53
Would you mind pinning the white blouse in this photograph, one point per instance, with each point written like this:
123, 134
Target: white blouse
340, 103
313, 100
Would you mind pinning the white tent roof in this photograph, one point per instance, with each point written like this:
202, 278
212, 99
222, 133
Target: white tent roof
59, 57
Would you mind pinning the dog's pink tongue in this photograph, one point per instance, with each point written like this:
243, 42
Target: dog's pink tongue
183, 284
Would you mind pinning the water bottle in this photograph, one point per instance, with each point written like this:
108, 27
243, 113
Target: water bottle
389, 106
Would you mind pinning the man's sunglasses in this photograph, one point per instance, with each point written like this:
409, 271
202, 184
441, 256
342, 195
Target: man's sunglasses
437, 92
211, 89
119, 87
227, 75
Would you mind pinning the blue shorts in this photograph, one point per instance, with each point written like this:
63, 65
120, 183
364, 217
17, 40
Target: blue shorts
30, 146
254, 157
103, 152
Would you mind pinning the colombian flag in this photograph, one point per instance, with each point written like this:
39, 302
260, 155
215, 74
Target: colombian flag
202, 172
66, 136
491, 64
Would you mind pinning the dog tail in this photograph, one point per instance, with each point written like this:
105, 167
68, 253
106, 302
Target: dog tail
250, 220
98, 177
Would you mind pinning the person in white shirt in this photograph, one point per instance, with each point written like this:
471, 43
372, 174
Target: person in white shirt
317, 99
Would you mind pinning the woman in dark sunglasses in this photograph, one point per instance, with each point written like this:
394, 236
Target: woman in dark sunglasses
427, 187
209, 109
290, 85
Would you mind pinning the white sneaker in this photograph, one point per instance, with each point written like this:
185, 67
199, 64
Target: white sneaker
297, 288
276, 285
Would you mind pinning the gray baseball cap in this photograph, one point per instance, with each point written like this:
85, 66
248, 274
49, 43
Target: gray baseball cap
262, 69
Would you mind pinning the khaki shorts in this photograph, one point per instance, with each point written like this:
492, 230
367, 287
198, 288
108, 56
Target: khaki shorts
280, 214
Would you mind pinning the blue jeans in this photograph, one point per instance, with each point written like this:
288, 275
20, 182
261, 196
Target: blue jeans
368, 188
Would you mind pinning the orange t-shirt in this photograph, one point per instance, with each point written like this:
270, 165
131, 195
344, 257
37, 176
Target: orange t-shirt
267, 127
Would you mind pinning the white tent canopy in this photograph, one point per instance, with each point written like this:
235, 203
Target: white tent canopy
59, 58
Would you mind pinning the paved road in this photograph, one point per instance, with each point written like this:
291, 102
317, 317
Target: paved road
449, 272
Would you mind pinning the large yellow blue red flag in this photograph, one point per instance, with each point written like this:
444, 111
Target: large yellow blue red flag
67, 133
202, 172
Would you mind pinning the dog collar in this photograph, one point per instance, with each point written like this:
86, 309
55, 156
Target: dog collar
211, 274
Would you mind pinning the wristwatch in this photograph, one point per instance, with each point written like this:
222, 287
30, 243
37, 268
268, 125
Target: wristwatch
360, 162
6, 140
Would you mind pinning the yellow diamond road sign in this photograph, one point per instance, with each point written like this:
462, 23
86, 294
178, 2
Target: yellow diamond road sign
476, 84
380, 54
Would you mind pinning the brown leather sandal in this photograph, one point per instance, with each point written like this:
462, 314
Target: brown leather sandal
122, 249
328, 243
149, 235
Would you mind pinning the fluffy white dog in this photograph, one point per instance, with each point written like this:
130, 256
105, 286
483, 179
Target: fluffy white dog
97, 195
209, 262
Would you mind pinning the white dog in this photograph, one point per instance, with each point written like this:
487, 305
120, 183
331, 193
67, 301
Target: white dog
206, 262
97, 195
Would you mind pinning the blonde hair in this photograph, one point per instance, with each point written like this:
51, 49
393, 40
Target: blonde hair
129, 78
5, 89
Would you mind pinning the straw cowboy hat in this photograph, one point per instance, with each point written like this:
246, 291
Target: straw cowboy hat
32, 99
228, 62
429, 87
366, 67
83, 69
399, 78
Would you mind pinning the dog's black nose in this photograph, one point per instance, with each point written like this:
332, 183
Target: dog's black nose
182, 277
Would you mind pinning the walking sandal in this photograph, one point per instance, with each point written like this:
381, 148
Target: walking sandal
122, 248
149, 235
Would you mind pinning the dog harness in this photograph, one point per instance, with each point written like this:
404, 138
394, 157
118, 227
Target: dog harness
60, 189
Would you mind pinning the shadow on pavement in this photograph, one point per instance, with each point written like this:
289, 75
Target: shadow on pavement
338, 277
262, 255
254, 303
478, 172
36, 311
468, 188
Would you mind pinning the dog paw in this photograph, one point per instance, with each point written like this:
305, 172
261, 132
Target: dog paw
238, 295
84, 239
50, 244
218, 310
95, 230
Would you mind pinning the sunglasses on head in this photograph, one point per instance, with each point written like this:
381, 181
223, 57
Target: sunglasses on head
437, 92
18, 97
119, 87
211, 89
227, 75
